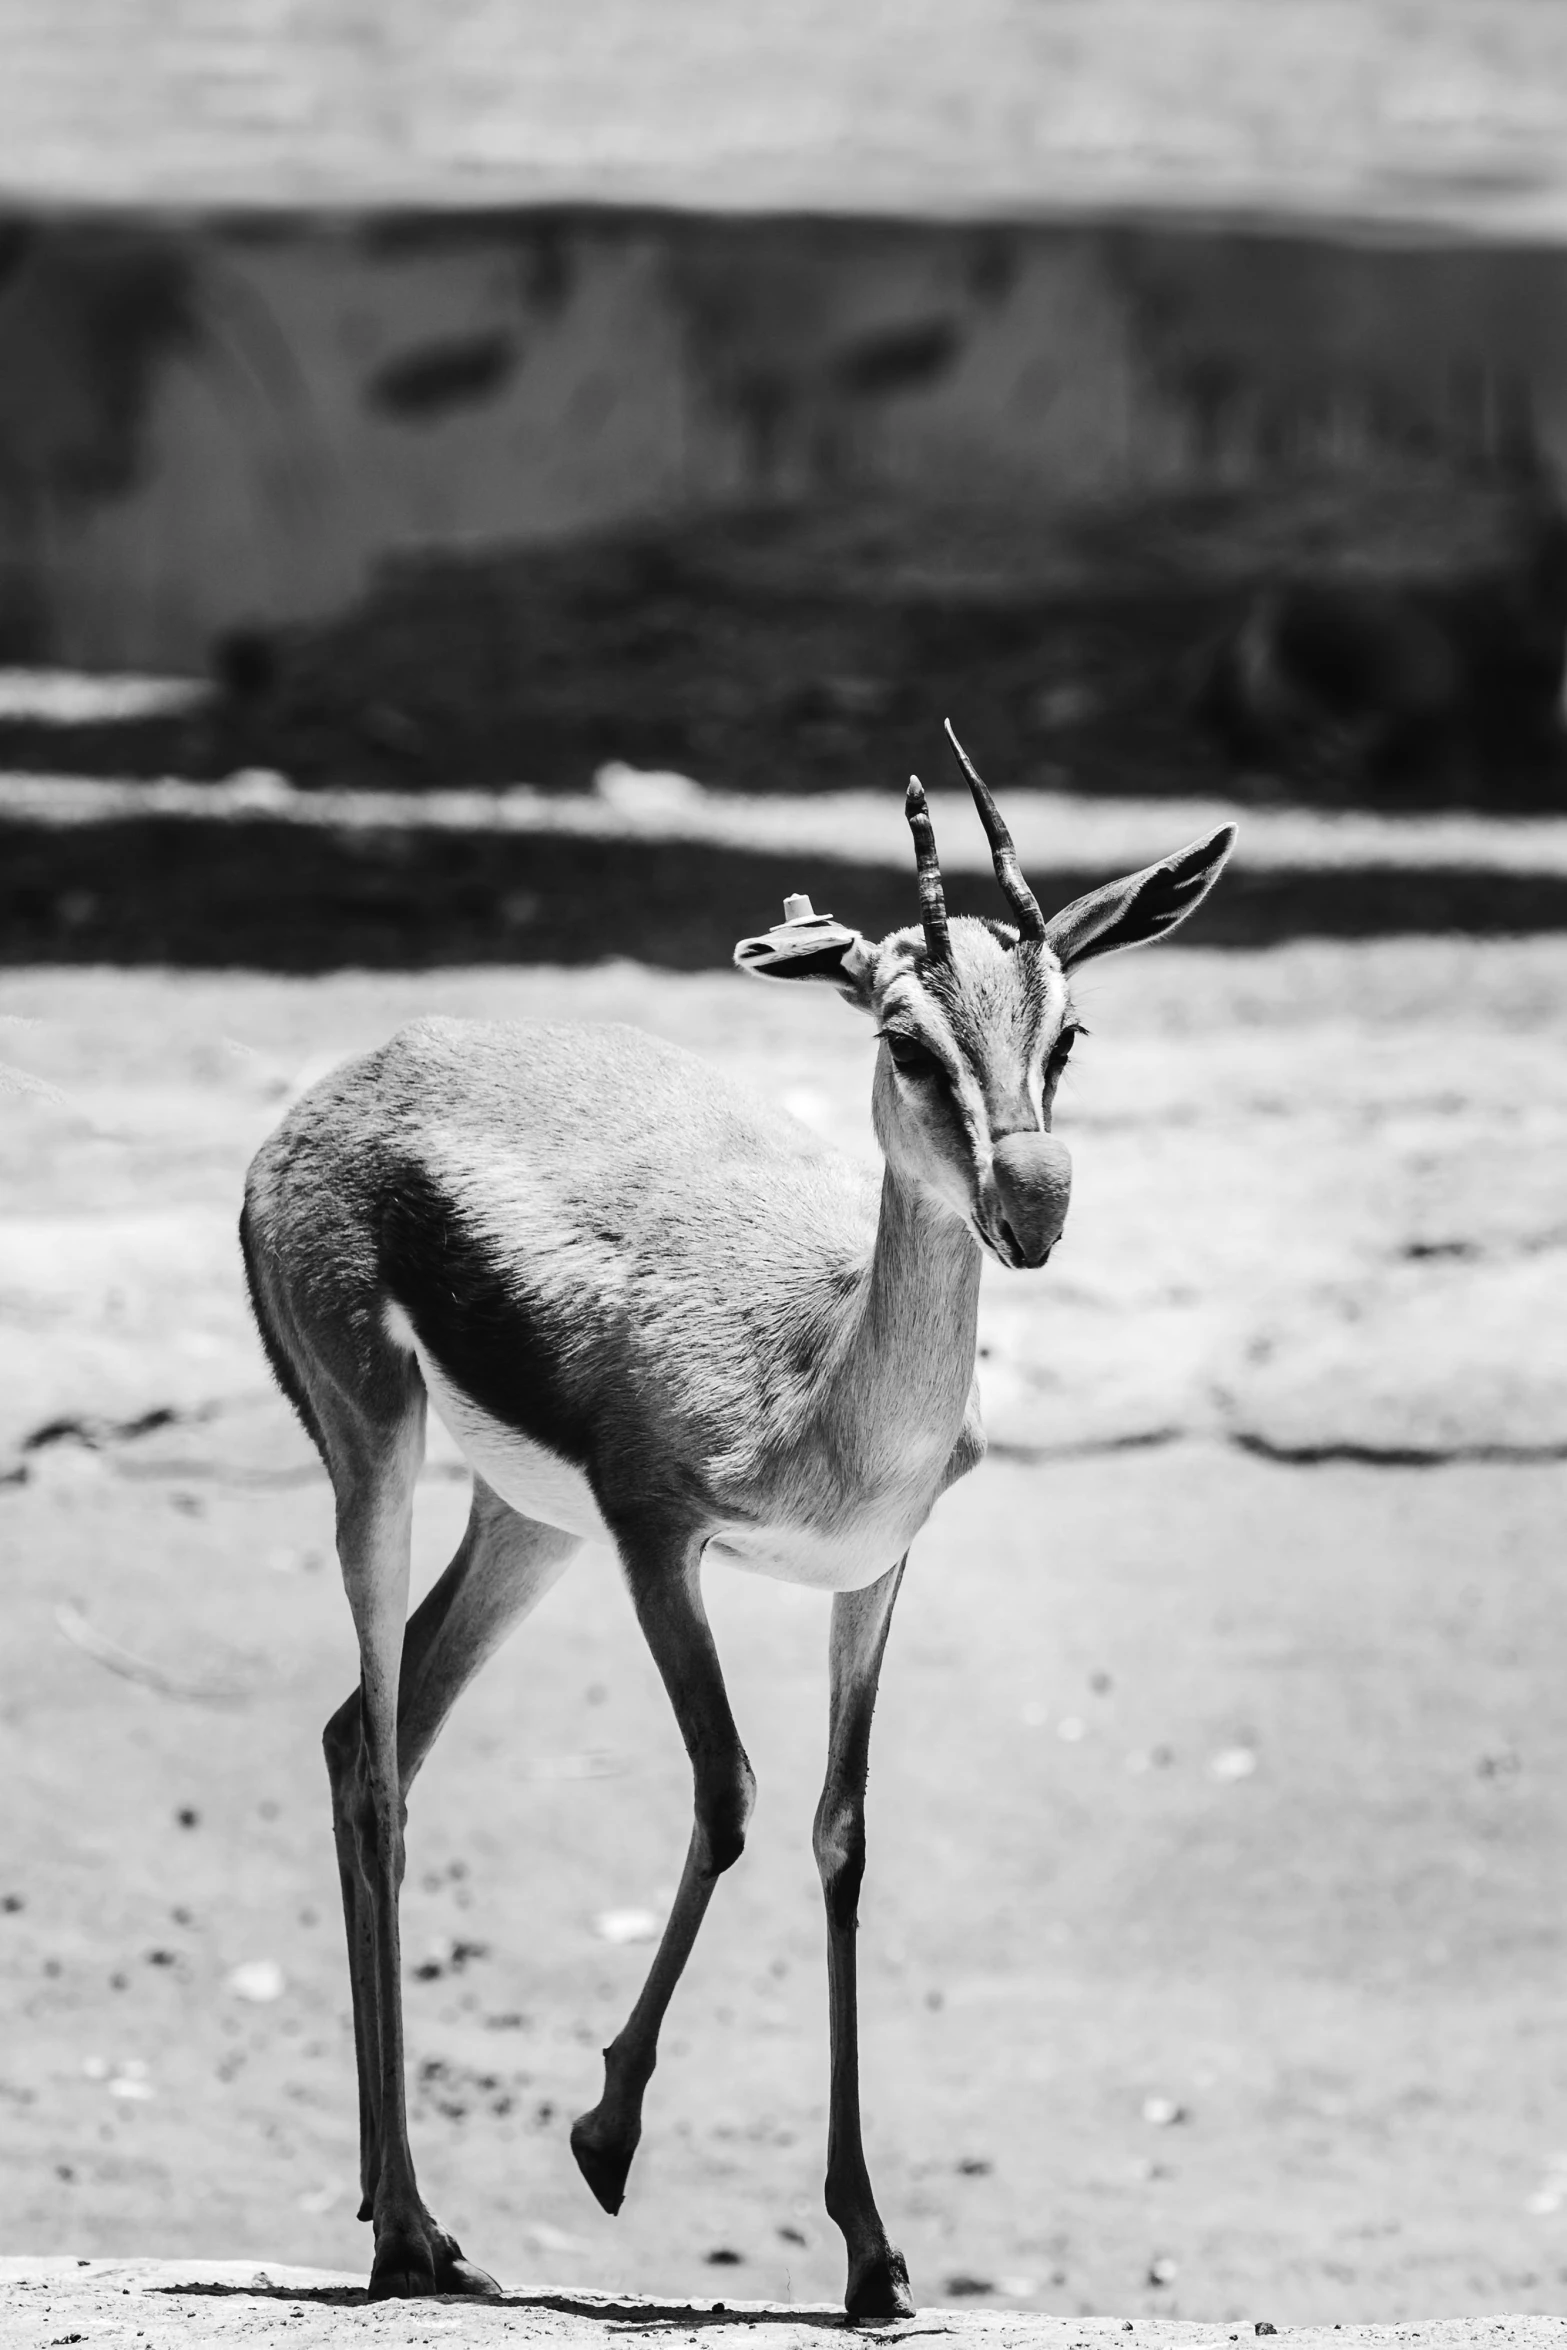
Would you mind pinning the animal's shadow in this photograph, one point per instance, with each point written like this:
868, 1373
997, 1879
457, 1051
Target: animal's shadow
626, 2317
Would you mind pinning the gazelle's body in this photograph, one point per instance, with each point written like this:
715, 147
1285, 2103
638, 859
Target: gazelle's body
653, 1310
630, 1284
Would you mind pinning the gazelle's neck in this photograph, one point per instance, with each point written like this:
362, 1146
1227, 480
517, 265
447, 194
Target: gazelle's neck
904, 1382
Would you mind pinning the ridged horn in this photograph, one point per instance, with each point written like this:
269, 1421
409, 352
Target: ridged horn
1024, 904
933, 904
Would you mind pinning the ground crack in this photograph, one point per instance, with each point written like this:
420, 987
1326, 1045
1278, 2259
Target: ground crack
1390, 1456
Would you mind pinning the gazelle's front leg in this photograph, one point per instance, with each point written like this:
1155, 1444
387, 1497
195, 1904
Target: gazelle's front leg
668, 1600
878, 2286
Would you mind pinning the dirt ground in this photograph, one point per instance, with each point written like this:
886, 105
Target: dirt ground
166, 2303
1213, 1927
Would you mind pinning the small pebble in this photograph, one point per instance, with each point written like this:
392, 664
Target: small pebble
260, 1980
626, 1925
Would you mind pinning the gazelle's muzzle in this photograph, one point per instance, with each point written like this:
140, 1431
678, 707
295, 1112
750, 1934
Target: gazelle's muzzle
1026, 1199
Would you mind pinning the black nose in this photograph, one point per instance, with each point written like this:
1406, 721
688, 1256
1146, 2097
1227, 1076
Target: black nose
1033, 1178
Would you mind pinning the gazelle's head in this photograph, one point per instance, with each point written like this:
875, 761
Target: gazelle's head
976, 1020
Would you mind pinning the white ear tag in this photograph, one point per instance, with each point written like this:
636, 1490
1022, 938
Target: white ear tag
801, 933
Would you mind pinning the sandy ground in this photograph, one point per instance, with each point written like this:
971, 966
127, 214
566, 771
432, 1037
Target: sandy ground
163, 2303
1213, 1926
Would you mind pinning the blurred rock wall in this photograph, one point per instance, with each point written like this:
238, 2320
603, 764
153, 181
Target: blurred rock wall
205, 426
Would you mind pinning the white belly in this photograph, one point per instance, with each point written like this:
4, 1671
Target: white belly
540, 1485
528, 1477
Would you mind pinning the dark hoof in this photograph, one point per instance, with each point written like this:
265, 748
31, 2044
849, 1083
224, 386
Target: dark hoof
453, 2274
403, 2271
603, 2162
879, 2292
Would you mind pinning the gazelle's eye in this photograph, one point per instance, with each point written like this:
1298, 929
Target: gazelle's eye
1061, 1052
912, 1059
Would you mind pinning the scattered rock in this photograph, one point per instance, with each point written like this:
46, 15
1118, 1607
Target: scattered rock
455, 2090
130, 2082
448, 1956
260, 1980
626, 1925
1163, 2112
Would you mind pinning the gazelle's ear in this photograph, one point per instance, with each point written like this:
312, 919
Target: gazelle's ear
810, 946
1140, 907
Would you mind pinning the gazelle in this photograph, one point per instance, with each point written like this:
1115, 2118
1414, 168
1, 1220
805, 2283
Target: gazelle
656, 1312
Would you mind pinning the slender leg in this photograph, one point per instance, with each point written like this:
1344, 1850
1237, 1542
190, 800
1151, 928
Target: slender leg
878, 2286
669, 1608
503, 1566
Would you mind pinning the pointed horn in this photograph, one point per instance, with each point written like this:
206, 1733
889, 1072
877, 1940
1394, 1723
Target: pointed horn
1030, 921
933, 905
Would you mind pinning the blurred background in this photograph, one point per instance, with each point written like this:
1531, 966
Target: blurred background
492, 498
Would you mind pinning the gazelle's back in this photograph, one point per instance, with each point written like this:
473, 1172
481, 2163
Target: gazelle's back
538, 1202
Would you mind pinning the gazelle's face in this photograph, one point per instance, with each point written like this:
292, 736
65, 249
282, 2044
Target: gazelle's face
976, 1022
972, 1049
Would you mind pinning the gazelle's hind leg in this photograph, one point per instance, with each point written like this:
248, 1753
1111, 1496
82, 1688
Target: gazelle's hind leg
375, 1745
666, 1590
